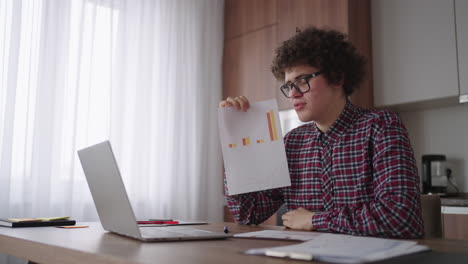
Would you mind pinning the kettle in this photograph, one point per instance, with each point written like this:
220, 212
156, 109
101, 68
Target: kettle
435, 174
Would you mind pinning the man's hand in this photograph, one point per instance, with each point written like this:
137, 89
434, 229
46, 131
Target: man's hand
298, 219
241, 103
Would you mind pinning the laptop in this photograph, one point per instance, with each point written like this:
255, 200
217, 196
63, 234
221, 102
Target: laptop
113, 206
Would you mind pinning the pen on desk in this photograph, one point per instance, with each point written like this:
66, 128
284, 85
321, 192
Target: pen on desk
226, 230
158, 222
170, 222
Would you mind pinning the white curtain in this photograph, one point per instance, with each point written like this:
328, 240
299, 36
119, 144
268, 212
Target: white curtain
145, 74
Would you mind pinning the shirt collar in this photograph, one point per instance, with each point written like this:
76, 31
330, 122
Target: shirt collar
344, 121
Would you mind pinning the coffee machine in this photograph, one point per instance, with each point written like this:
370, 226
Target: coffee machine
435, 174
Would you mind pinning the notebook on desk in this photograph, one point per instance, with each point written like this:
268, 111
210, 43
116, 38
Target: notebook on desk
113, 206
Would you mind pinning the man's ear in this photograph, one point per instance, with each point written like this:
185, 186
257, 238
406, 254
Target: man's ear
341, 82
339, 85
338, 78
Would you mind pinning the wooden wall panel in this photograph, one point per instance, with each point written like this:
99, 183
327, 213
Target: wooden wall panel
247, 61
244, 16
359, 32
302, 13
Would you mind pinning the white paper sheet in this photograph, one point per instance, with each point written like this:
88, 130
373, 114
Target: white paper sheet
336, 248
281, 235
253, 148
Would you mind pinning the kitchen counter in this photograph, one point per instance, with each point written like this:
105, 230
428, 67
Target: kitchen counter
461, 199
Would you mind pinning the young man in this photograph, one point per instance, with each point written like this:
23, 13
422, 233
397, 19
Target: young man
352, 170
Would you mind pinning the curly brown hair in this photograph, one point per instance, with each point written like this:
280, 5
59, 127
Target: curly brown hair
328, 50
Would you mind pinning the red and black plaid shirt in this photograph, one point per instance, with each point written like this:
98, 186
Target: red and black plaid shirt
359, 178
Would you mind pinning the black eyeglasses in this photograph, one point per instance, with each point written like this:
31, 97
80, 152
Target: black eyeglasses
301, 85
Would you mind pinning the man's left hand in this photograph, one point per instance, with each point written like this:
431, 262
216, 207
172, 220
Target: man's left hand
298, 219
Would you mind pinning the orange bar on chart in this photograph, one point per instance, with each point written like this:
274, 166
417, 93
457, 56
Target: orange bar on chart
270, 127
273, 122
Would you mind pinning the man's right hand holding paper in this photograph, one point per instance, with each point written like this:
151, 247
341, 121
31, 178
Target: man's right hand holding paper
241, 103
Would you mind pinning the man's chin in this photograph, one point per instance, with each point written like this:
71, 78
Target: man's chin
303, 118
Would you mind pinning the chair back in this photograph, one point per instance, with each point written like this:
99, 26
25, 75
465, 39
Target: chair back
432, 217
281, 211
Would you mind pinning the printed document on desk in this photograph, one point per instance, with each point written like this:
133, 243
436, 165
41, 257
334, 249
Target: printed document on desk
280, 235
337, 248
253, 148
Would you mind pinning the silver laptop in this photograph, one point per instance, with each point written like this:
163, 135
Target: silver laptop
113, 206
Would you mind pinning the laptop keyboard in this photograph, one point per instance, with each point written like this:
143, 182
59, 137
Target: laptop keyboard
156, 232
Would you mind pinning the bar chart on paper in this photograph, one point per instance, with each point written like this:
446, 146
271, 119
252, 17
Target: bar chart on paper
253, 148
272, 132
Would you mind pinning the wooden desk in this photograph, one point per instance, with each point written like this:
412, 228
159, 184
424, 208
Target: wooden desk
94, 245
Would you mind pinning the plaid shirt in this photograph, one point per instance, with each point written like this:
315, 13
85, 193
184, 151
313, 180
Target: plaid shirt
359, 178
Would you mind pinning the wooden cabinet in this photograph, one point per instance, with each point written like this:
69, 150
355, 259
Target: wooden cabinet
455, 226
254, 28
461, 15
455, 221
414, 51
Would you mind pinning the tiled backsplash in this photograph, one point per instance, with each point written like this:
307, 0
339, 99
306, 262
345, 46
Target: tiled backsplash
441, 131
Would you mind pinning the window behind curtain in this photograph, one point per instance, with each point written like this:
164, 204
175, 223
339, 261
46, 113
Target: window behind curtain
145, 74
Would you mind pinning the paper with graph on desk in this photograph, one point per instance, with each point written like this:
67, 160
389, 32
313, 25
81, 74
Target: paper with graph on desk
337, 248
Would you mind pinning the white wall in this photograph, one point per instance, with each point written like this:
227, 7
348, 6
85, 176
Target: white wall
441, 131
